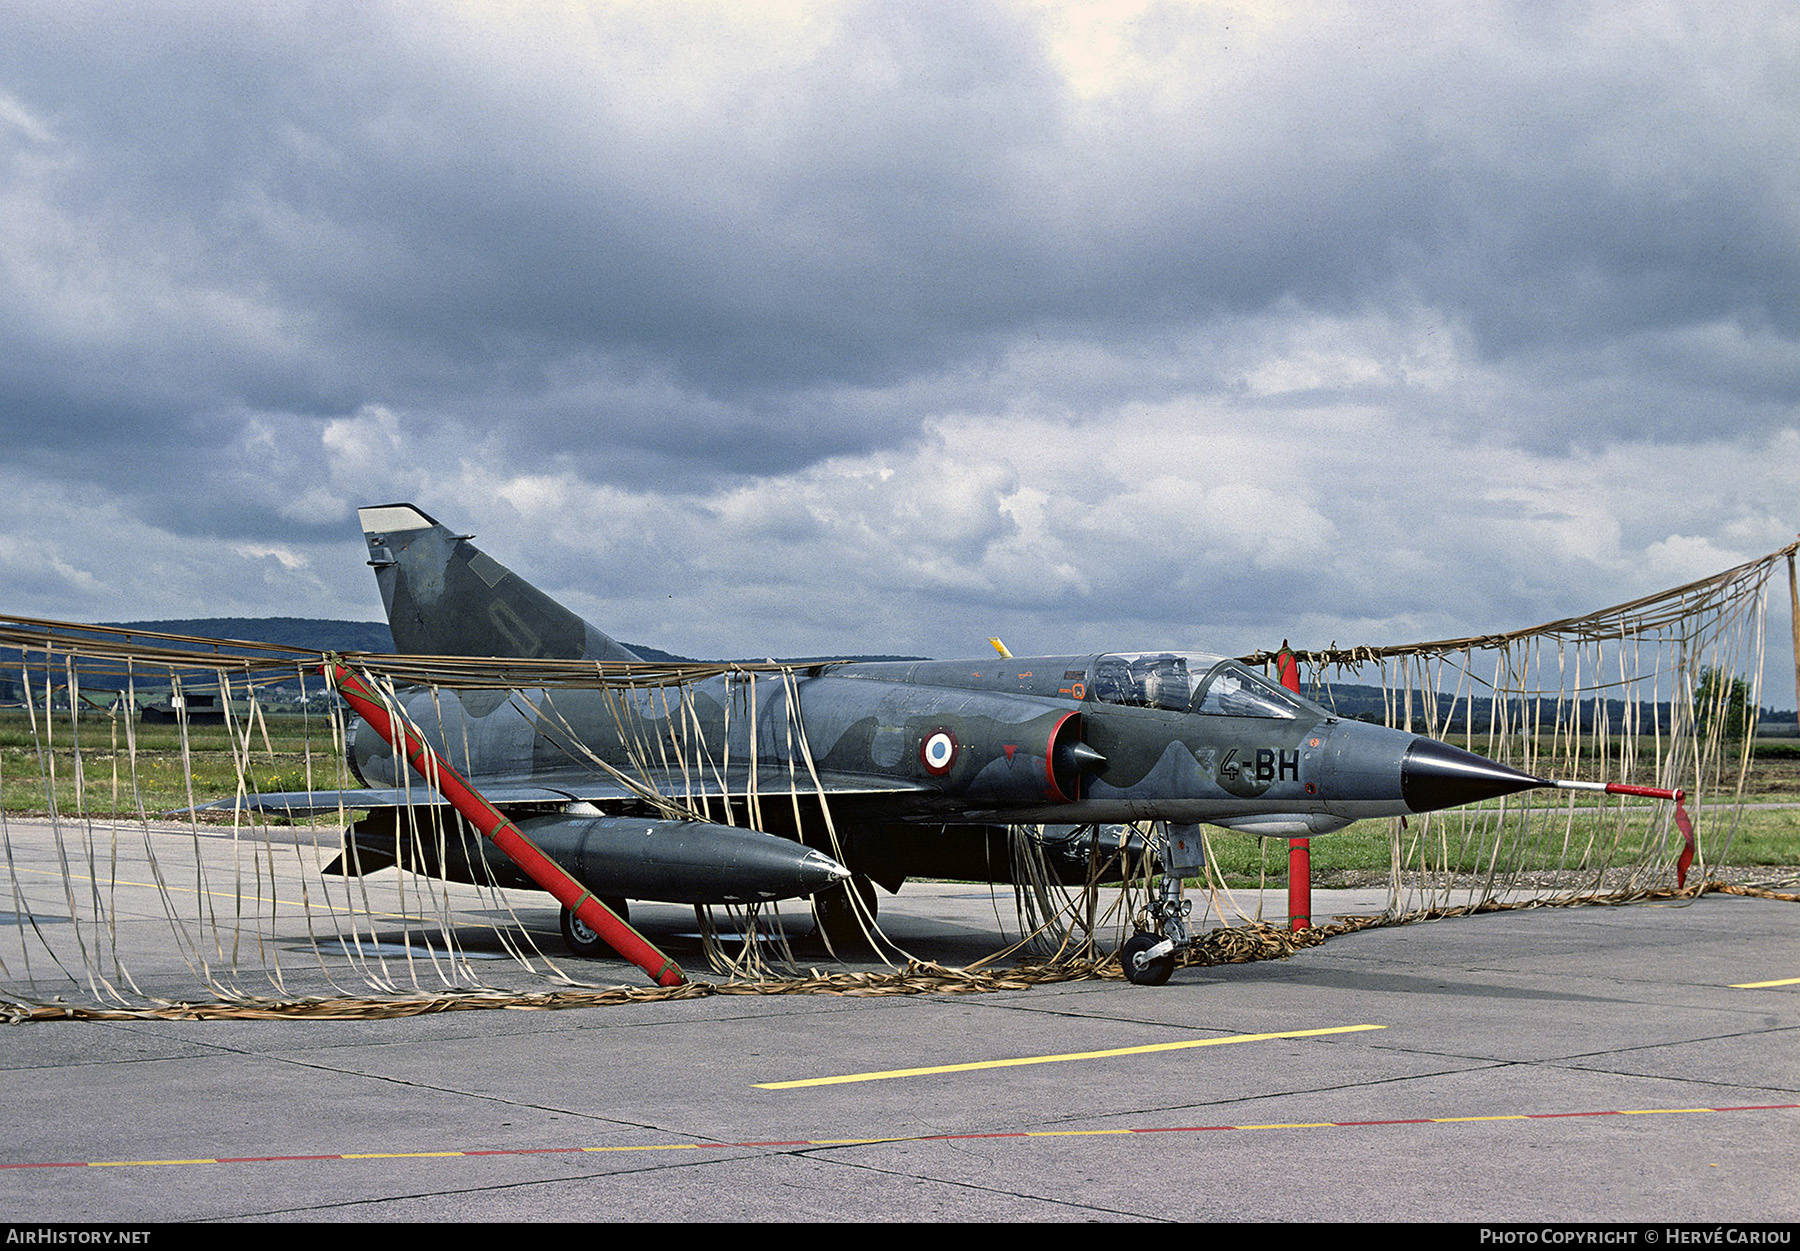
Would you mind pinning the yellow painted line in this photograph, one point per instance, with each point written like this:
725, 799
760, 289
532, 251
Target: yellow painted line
1786, 981
1061, 1059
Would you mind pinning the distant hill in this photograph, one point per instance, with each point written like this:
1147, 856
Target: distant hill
312, 633
316, 634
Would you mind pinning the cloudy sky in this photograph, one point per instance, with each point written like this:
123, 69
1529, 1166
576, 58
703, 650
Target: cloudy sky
823, 327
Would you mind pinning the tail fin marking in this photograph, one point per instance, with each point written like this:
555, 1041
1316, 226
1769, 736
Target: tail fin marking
446, 597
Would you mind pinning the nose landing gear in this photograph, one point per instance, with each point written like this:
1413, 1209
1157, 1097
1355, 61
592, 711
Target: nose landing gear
1148, 956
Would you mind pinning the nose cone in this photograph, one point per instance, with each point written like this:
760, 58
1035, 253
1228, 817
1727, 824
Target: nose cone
1436, 775
817, 871
746, 864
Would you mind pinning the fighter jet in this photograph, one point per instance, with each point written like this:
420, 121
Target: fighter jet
853, 774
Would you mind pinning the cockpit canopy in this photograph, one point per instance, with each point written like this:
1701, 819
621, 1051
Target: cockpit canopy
1190, 682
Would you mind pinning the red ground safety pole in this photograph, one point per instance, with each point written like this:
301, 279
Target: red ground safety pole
505, 835
1299, 849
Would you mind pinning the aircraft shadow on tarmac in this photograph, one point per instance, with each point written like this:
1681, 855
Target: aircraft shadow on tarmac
1389, 983
673, 930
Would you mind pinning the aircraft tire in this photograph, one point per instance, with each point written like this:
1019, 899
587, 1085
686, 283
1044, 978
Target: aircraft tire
835, 917
583, 941
1142, 972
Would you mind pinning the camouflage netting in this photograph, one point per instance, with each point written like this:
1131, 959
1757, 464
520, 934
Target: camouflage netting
120, 903
1663, 691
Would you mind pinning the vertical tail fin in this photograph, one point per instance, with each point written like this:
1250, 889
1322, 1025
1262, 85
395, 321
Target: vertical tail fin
446, 597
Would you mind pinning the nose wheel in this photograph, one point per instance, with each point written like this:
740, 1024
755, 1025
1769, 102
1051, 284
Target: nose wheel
1148, 956
1148, 959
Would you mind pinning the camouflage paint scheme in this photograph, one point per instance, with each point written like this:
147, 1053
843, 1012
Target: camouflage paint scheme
923, 764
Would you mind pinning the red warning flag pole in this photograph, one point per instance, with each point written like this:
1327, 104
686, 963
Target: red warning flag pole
1675, 797
549, 875
1299, 849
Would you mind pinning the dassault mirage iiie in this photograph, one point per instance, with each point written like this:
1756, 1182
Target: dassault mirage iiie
857, 773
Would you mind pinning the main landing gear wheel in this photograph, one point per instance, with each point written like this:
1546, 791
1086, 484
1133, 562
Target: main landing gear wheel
1141, 967
835, 914
582, 939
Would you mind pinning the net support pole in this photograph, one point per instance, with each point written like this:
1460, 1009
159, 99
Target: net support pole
497, 827
1794, 619
1299, 849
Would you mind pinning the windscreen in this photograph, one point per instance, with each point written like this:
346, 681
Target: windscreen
1188, 682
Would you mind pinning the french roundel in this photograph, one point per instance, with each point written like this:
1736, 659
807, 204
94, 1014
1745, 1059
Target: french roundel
938, 752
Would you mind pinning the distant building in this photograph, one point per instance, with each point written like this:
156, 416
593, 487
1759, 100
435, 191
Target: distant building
202, 708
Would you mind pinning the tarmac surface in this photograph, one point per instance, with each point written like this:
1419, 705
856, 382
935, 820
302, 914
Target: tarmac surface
1551, 1065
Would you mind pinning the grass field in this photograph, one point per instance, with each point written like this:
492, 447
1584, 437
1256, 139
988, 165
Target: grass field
282, 746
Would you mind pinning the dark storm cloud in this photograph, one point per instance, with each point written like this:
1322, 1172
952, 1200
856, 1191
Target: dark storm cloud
389, 179
1191, 314
281, 214
306, 210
